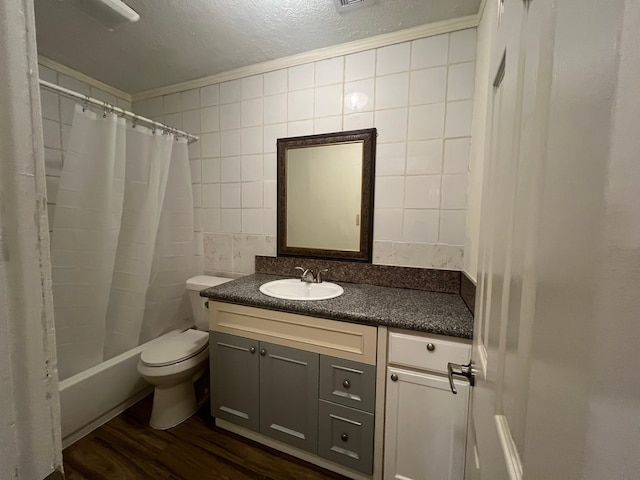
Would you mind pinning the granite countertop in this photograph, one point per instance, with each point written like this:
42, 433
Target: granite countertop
430, 312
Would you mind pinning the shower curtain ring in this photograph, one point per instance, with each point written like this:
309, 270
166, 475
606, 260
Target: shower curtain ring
104, 115
134, 122
85, 103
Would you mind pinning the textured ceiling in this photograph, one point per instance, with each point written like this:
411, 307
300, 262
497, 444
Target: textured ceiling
176, 41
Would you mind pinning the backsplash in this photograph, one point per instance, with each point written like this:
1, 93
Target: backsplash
417, 94
431, 280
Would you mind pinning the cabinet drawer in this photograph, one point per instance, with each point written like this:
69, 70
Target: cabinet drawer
427, 352
319, 335
348, 383
346, 436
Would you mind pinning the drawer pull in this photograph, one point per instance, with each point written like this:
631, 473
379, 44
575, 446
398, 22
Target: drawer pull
346, 384
344, 437
431, 347
394, 377
252, 350
263, 352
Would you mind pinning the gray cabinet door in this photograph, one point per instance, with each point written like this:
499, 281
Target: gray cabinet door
346, 436
234, 379
289, 395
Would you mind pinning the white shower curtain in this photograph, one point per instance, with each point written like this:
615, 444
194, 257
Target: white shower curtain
167, 304
108, 211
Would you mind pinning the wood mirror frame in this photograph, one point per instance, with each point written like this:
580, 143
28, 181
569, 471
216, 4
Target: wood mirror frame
368, 139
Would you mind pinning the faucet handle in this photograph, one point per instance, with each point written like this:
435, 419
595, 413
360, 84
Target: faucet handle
319, 275
307, 275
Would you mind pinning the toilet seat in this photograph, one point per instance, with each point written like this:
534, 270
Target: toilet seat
175, 349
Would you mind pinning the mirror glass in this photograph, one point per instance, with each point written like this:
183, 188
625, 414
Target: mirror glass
325, 192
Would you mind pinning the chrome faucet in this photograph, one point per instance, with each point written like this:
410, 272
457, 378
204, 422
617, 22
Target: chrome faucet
309, 277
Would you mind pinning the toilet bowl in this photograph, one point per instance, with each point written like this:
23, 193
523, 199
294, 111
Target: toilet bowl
175, 363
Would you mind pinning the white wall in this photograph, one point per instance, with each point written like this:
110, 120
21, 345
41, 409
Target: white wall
420, 100
588, 265
614, 402
571, 297
30, 445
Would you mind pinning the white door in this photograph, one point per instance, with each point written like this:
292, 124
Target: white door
516, 122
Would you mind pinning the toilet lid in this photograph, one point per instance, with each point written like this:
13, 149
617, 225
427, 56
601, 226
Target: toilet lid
175, 348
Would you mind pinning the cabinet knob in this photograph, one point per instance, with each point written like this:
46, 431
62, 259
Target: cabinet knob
346, 384
344, 437
431, 347
263, 352
394, 377
252, 350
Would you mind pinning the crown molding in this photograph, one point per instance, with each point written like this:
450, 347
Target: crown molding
70, 72
428, 30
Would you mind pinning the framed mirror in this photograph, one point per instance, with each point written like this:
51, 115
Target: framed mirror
325, 195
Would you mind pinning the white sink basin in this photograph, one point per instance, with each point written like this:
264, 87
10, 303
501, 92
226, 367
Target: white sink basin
294, 289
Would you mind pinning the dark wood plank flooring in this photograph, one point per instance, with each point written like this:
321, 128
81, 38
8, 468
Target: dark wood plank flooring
128, 448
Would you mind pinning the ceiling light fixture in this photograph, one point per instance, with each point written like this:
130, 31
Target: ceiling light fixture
109, 13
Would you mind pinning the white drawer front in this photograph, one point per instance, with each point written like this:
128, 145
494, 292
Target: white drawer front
427, 353
350, 341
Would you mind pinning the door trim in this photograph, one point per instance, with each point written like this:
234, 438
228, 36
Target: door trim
511, 455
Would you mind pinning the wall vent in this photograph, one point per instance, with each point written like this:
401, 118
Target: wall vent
348, 5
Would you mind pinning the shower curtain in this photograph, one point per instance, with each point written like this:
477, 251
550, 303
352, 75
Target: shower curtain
122, 239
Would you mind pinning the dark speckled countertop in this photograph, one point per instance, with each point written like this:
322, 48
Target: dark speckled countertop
430, 312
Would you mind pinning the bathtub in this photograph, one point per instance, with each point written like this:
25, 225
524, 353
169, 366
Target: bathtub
95, 396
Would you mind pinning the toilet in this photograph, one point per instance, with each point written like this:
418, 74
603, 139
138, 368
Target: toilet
175, 363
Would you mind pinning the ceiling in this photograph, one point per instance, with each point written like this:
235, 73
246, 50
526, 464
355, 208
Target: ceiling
175, 41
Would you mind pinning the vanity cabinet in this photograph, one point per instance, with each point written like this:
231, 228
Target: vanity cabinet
266, 388
306, 382
425, 423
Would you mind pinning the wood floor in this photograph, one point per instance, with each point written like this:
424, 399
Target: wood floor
128, 448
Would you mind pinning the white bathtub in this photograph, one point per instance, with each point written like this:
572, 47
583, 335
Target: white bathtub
93, 397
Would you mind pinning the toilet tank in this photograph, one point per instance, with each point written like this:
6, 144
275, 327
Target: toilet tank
194, 285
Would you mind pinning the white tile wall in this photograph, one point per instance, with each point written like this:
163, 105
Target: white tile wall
421, 226
300, 104
392, 59
329, 71
230, 92
417, 94
210, 95
301, 77
428, 85
430, 51
424, 157
360, 65
392, 91
456, 155
275, 82
251, 87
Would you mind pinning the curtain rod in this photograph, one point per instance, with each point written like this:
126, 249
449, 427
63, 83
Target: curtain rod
86, 99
